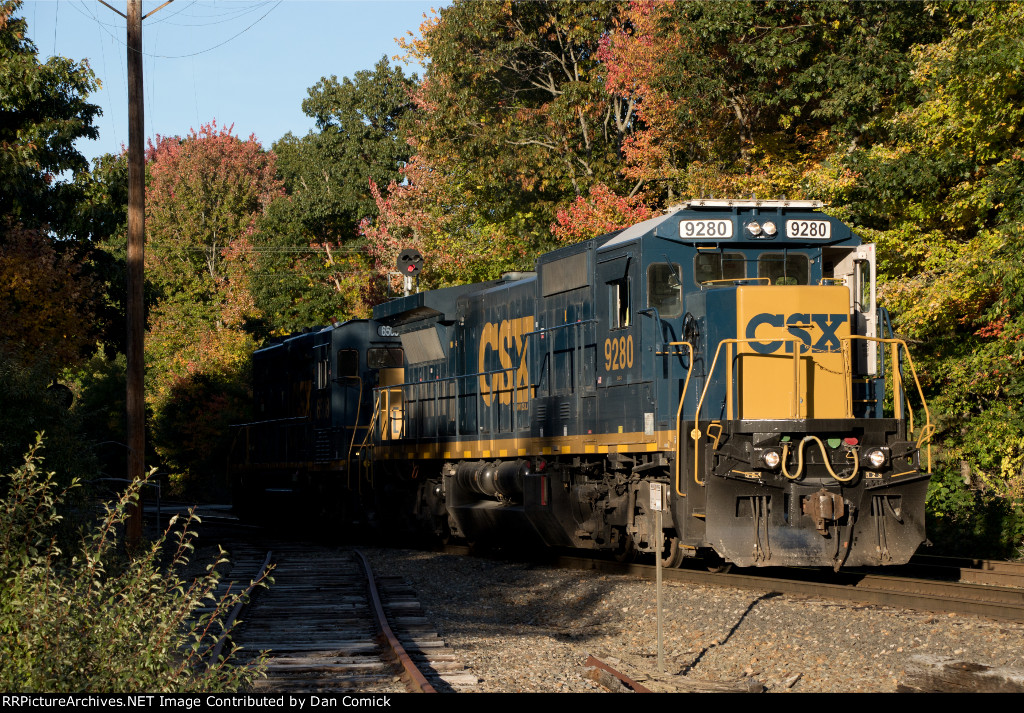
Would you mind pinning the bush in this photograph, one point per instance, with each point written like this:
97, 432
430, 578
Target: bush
965, 522
99, 621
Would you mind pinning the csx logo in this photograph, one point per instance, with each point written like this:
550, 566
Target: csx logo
508, 340
796, 325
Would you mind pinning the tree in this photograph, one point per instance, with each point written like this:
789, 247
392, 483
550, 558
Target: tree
512, 122
328, 172
47, 297
43, 112
314, 265
758, 97
435, 213
47, 305
948, 188
601, 212
206, 195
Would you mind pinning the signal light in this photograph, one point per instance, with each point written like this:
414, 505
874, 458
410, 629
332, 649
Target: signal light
409, 262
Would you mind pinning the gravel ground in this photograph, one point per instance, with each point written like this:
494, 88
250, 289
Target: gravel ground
527, 628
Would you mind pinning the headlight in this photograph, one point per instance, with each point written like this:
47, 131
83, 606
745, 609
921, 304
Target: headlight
768, 227
771, 459
877, 457
754, 228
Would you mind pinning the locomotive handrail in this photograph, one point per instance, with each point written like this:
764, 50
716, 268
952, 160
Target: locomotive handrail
542, 330
577, 349
355, 428
898, 392
679, 412
924, 437
695, 433
734, 280
271, 421
513, 369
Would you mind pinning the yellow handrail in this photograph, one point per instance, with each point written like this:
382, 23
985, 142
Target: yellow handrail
924, 437
679, 412
927, 429
695, 433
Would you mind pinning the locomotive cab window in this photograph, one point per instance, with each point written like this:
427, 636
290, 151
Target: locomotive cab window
384, 357
864, 283
785, 268
348, 363
618, 302
711, 267
664, 289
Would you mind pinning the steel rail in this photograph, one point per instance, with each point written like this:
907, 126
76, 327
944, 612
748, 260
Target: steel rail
241, 604
994, 602
966, 569
623, 678
417, 682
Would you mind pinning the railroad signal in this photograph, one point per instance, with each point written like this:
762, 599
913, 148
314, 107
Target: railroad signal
410, 262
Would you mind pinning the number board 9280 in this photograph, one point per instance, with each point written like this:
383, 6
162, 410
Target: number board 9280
813, 229
705, 228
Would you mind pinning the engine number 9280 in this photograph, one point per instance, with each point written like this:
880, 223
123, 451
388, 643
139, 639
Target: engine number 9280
708, 229
814, 229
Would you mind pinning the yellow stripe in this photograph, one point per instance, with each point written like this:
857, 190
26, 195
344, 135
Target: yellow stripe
636, 442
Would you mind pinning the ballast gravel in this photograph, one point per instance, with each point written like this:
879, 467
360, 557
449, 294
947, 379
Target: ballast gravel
520, 627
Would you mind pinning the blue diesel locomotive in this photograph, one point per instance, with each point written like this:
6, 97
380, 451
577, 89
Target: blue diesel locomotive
714, 382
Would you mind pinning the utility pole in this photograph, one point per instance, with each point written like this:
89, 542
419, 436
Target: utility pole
135, 402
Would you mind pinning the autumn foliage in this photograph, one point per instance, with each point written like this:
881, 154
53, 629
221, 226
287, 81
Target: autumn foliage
540, 124
205, 197
47, 304
602, 211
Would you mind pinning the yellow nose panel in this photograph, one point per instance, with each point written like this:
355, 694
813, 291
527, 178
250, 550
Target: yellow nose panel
797, 365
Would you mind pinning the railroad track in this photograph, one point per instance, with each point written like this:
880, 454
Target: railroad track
966, 570
937, 595
318, 623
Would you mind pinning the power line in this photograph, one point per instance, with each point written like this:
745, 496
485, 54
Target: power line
208, 49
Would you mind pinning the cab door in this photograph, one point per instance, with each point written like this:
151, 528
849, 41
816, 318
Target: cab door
618, 354
856, 268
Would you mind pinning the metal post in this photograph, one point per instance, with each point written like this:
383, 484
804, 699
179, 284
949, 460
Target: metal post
658, 505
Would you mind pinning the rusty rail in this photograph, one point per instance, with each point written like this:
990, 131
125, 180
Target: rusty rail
623, 678
416, 680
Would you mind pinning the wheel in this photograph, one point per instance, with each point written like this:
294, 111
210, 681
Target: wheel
623, 547
446, 537
714, 563
672, 554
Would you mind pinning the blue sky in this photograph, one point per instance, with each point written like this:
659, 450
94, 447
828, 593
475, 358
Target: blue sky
246, 62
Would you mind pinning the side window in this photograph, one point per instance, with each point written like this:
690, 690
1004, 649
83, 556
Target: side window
348, 362
618, 301
864, 281
708, 267
384, 357
784, 269
664, 289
